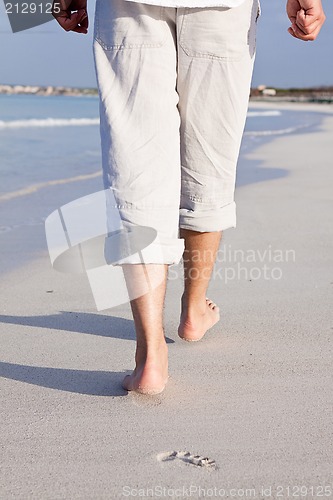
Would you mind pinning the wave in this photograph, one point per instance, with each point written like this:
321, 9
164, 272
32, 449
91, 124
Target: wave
33, 188
49, 122
251, 114
283, 131
82, 122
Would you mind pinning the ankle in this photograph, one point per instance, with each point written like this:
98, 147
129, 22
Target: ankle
152, 351
193, 306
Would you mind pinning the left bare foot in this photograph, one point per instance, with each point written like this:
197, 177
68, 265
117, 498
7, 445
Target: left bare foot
150, 374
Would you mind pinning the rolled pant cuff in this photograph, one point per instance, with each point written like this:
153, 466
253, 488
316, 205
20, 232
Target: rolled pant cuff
161, 251
208, 220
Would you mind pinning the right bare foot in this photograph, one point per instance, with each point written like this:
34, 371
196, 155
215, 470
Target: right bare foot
193, 325
150, 375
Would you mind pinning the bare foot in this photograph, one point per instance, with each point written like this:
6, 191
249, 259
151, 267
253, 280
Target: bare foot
194, 325
151, 372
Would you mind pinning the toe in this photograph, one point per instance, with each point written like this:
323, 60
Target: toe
217, 309
211, 304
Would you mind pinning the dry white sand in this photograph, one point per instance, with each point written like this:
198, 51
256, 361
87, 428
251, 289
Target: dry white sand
255, 395
295, 106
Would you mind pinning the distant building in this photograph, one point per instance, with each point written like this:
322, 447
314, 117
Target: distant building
260, 88
269, 92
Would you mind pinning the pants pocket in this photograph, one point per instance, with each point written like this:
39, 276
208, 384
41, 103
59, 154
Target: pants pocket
120, 24
219, 32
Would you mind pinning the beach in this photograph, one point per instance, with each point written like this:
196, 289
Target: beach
254, 397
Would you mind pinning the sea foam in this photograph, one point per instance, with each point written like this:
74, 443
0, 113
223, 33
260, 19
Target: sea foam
81, 122
49, 122
251, 114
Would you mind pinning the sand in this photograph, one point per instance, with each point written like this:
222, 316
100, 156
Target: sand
254, 396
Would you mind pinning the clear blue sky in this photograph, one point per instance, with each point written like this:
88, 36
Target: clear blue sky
47, 55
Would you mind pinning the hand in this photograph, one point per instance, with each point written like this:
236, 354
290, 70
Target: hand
77, 21
307, 18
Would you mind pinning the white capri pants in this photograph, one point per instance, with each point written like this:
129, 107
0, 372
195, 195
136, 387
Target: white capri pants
174, 86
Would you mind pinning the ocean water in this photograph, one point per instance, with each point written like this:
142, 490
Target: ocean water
45, 138
50, 155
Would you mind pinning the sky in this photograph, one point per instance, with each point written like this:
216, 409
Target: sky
47, 55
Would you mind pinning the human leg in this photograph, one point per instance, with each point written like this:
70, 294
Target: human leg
198, 313
215, 63
135, 59
151, 357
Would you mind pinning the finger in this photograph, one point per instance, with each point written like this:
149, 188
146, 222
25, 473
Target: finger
292, 6
306, 38
298, 33
309, 29
309, 17
315, 33
293, 21
80, 29
301, 18
84, 22
307, 24
290, 31
69, 23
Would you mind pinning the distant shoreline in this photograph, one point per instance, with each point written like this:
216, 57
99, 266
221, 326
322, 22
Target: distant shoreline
260, 94
47, 90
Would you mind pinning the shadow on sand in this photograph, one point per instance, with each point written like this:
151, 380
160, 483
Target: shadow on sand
94, 383
80, 322
251, 172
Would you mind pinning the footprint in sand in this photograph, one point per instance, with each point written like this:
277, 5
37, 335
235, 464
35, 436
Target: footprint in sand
188, 458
